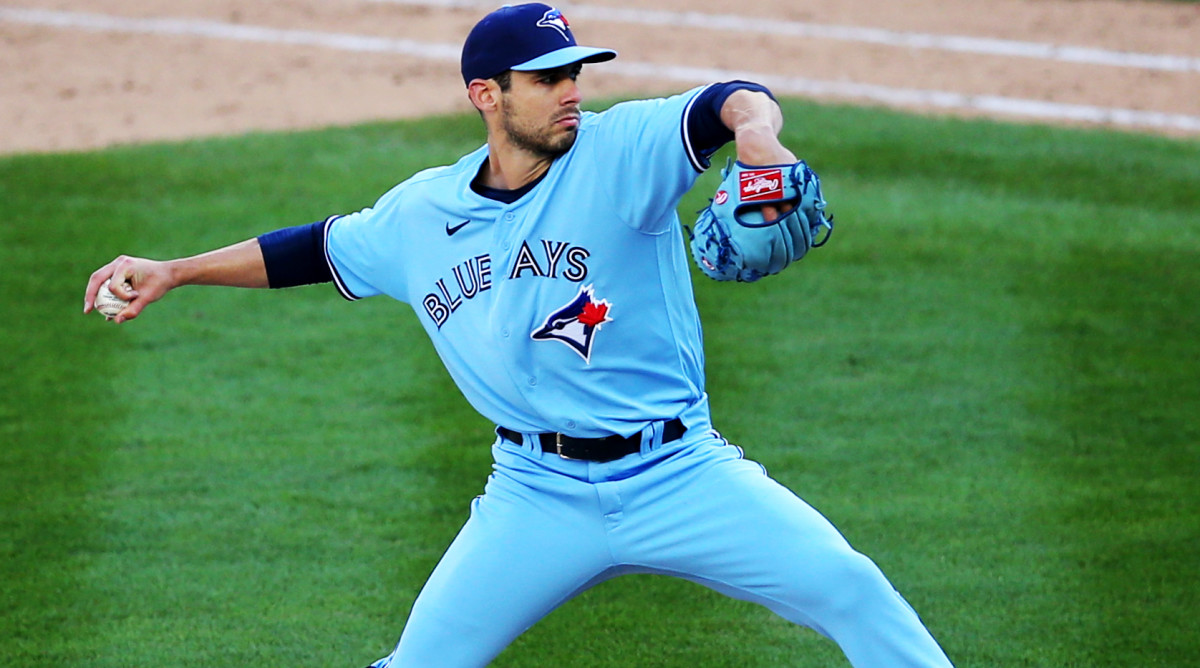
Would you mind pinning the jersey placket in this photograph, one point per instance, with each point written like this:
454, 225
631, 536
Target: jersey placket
511, 335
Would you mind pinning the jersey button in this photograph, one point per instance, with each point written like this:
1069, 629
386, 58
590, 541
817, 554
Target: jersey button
570, 424
509, 217
504, 332
532, 381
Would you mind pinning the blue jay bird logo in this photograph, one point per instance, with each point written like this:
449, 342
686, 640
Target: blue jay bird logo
576, 323
555, 19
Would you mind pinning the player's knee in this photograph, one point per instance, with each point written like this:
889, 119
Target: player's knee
853, 583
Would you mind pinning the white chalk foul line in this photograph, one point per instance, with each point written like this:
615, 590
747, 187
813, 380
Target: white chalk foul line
913, 40
921, 99
228, 31
901, 97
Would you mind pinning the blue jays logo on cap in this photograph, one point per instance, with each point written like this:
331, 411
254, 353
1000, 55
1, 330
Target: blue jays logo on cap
555, 19
576, 323
525, 38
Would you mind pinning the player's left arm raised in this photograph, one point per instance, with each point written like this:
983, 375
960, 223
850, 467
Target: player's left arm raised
768, 211
756, 120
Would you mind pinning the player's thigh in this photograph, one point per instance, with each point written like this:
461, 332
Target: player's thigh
725, 520
522, 552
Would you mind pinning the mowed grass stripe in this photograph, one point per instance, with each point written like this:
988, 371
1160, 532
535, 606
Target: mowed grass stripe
986, 380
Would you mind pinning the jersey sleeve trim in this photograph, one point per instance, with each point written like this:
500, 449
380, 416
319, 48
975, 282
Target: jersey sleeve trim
338, 281
698, 162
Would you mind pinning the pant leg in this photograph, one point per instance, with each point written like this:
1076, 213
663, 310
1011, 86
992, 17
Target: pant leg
533, 540
713, 517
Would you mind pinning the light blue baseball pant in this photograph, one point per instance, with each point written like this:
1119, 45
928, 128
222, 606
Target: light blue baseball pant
548, 528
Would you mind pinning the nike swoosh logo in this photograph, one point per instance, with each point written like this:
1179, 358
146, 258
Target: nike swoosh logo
451, 230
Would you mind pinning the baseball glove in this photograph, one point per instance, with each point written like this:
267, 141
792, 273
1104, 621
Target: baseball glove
732, 240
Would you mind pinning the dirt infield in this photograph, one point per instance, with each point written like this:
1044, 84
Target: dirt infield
82, 74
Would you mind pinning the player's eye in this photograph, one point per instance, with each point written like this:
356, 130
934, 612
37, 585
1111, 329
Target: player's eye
551, 77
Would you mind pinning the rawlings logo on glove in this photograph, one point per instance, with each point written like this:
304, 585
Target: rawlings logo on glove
761, 185
733, 241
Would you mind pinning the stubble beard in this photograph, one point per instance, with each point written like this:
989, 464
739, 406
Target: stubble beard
548, 142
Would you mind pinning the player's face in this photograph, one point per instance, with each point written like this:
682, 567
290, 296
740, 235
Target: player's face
540, 112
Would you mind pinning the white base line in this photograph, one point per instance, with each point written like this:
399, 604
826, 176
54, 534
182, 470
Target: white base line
919, 98
228, 31
913, 40
901, 97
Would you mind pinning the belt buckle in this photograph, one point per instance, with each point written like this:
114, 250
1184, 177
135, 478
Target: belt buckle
558, 445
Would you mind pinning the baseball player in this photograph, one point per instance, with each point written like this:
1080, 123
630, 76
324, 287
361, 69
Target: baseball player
549, 270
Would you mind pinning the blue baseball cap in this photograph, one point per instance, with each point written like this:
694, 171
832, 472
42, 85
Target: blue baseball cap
525, 37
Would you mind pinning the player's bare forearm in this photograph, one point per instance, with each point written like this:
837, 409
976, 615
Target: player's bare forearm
240, 266
756, 120
142, 281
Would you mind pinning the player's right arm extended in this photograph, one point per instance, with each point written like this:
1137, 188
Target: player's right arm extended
142, 281
287, 257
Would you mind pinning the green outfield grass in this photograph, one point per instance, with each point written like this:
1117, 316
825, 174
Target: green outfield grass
989, 380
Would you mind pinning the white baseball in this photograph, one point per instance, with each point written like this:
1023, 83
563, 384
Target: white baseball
107, 303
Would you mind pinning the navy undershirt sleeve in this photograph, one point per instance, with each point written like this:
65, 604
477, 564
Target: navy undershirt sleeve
296, 255
705, 129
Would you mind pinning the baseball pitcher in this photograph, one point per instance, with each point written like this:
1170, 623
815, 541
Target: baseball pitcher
552, 273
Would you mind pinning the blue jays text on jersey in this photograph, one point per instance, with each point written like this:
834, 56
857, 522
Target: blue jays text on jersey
474, 275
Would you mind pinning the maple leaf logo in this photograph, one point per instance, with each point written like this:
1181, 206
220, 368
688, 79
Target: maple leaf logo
594, 314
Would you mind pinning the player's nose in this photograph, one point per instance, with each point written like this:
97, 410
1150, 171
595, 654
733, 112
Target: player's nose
571, 94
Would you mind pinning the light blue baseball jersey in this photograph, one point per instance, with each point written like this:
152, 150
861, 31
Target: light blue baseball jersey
568, 310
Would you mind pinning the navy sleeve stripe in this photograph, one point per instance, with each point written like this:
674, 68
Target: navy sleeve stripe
338, 281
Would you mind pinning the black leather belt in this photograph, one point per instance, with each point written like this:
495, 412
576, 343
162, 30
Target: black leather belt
605, 449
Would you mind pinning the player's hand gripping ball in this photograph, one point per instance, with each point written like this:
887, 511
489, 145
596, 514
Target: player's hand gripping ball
733, 241
108, 304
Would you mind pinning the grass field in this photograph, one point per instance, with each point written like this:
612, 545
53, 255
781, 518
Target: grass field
989, 380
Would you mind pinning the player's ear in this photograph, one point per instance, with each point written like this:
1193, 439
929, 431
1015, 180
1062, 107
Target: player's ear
484, 94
